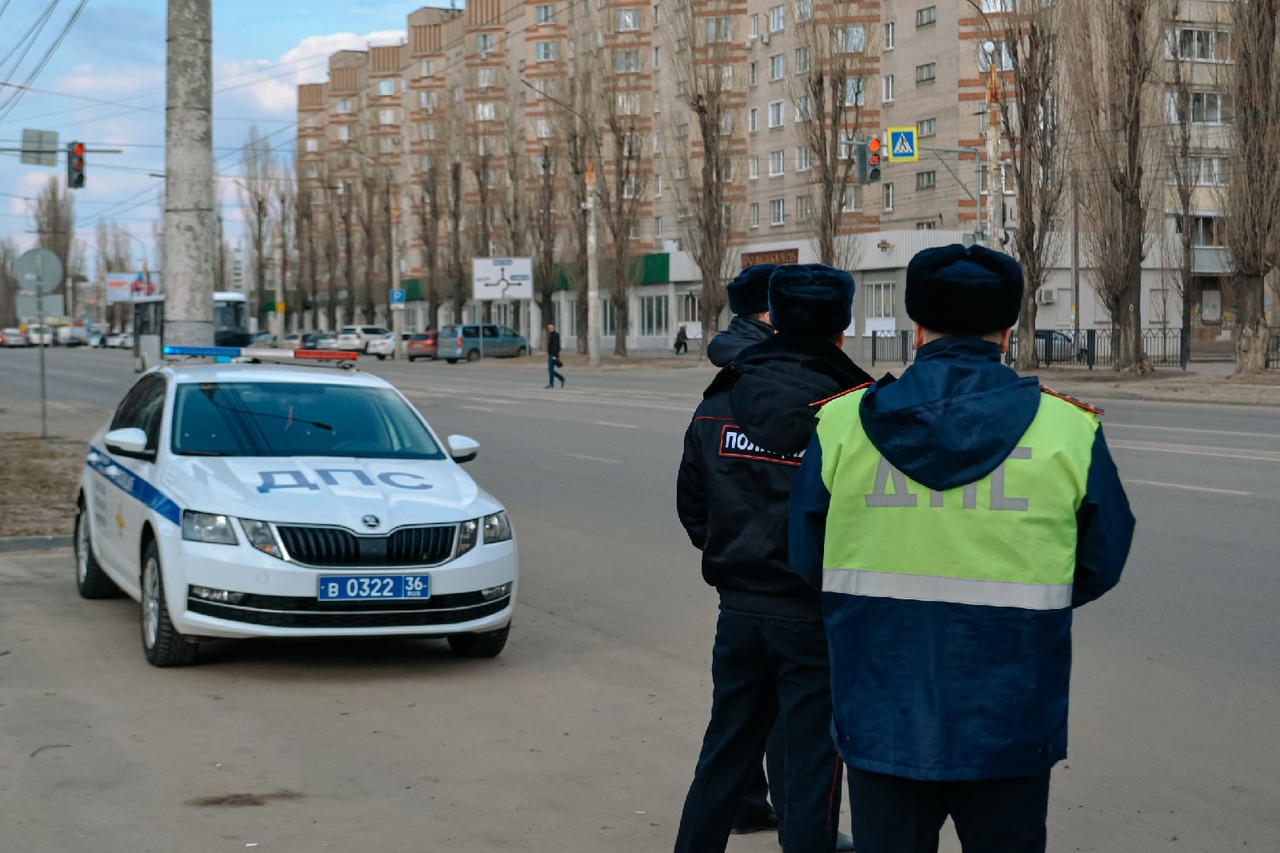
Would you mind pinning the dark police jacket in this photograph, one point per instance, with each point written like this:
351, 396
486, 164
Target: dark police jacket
741, 454
741, 333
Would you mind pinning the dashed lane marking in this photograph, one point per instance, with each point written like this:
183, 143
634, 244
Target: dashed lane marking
611, 424
594, 458
1234, 492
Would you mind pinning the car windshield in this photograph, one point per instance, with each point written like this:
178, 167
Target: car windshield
297, 419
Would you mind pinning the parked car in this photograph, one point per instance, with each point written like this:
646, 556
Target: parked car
264, 339
358, 337
41, 335
382, 347
97, 339
293, 340
250, 500
323, 340
422, 345
13, 338
466, 341
1055, 347
120, 340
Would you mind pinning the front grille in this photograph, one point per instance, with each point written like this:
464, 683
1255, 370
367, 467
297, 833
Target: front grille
336, 548
289, 612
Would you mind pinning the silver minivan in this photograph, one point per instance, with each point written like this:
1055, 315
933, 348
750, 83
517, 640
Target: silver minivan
473, 340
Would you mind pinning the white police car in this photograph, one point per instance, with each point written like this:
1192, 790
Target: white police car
252, 500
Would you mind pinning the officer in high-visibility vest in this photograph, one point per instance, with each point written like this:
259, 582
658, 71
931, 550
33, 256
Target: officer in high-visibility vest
953, 519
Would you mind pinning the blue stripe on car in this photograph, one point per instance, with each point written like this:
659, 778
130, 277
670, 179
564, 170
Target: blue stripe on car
133, 485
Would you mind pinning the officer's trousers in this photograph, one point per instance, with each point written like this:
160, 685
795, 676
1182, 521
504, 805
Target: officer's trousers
766, 668
896, 815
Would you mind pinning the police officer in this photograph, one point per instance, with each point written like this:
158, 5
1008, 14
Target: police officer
741, 454
749, 302
953, 518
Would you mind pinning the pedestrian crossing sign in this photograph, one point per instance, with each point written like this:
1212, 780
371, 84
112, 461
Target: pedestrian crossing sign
902, 145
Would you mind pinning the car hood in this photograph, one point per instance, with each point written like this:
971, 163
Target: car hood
328, 490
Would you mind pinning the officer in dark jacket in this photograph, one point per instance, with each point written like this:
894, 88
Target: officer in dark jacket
741, 454
953, 519
749, 302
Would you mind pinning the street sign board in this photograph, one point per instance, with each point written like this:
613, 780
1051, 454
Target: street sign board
902, 145
38, 270
397, 296
39, 147
502, 278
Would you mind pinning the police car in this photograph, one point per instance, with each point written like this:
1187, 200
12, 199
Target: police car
265, 500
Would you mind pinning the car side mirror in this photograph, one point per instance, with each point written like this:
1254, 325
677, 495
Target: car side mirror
129, 441
462, 449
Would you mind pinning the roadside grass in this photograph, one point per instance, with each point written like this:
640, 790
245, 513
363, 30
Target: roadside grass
38, 482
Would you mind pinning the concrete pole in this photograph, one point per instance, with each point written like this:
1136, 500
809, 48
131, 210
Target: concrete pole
1075, 257
189, 226
993, 142
593, 274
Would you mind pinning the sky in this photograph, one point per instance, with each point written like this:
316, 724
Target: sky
104, 86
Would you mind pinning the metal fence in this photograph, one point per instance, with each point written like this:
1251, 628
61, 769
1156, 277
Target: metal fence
1098, 348
892, 347
1273, 350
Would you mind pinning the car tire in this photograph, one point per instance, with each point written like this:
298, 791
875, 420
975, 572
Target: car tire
381, 357
410, 359
521, 352
487, 645
161, 642
91, 581
473, 355
452, 360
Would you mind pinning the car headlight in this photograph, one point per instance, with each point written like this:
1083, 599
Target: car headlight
468, 534
496, 528
207, 527
262, 537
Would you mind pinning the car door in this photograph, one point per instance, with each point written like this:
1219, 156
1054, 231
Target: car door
132, 482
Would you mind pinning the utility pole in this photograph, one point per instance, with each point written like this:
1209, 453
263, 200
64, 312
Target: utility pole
1075, 256
189, 226
993, 139
593, 274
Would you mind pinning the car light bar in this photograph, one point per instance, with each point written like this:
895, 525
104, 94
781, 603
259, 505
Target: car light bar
253, 352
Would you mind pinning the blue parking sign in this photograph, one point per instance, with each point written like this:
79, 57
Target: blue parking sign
397, 296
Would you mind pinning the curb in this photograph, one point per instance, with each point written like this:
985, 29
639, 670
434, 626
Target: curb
1087, 393
34, 543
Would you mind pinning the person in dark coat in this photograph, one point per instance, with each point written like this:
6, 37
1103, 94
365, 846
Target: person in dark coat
749, 302
682, 340
769, 663
952, 520
553, 356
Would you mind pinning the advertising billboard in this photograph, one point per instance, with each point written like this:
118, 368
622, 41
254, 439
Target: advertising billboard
131, 286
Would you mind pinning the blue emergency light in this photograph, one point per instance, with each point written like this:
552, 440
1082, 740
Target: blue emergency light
243, 352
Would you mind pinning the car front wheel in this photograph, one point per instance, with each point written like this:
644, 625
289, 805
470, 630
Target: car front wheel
487, 645
91, 580
520, 353
161, 642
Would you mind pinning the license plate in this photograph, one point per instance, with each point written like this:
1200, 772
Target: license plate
373, 587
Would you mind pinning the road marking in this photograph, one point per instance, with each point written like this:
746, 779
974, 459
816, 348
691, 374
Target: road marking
610, 424
476, 408
1109, 425
594, 458
1261, 456
1191, 488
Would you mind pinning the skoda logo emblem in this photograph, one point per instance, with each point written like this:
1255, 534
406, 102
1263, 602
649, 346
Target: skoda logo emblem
370, 521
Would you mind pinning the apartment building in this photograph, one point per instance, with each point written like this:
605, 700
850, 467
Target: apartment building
442, 148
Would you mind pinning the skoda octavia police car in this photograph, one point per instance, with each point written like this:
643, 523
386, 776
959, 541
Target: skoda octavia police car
251, 500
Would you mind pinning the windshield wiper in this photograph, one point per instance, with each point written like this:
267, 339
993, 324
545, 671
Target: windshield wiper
203, 453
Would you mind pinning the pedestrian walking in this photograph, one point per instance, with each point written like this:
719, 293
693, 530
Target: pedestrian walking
953, 519
682, 340
553, 356
769, 662
749, 303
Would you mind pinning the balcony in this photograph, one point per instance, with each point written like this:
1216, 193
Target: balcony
1210, 260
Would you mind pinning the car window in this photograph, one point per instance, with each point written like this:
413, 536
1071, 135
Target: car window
491, 331
470, 331
297, 419
143, 408
507, 332
348, 330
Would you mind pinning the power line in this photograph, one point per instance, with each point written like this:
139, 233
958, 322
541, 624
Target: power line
8, 106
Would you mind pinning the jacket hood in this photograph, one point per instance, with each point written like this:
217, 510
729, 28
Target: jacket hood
953, 416
774, 385
741, 333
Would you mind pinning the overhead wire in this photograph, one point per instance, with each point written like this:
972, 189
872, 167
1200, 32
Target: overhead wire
8, 106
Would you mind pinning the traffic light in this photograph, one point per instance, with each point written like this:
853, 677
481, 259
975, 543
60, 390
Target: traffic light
868, 154
75, 165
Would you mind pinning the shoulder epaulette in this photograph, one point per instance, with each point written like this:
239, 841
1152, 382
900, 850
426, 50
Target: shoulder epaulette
821, 403
1072, 400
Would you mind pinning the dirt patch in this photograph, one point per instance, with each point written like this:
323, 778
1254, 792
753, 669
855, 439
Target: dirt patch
38, 480
235, 801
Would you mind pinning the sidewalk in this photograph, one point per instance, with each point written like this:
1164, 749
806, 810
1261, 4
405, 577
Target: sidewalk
1204, 383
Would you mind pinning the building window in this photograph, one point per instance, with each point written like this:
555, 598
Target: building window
993, 6
753, 119
343, 105
427, 68
753, 167
803, 60
926, 180
427, 130
485, 111
653, 316
427, 100
804, 208
850, 39
926, 16
719, 30
657, 142
627, 61
927, 127
386, 87
804, 108
753, 73
777, 162
657, 186
545, 51
888, 196
927, 225
804, 158
926, 73
682, 170
657, 227
657, 15
484, 42
1004, 61
628, 20
1195, 45
384, 145
777, 211
753, 215
484, 78
777, 67
544, 14
682, 130
344, 134
888, 89
777, 19
777, 113
1207, 231
313, 145
880, 300
387, 117
657, 58
1206, 108
851, 198
888, 36
804, 10
628, 103
608, 318
726, 123
854, 92
1203, 171
542, 127
753, 29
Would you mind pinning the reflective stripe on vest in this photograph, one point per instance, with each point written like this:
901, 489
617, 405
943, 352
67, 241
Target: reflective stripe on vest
1006, 540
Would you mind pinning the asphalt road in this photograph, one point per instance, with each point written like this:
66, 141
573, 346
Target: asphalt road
583, 734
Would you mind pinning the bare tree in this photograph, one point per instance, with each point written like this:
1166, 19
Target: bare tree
1181, 164
456, 263
704, 55
580, 132
545, 232
256, 176
425, 202
834, 59
513, 200
1253, 194
326, 232
8, 282
115, 254
482, 222
1027, 34
55, 226
1113, 48
369, 215
308, 273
